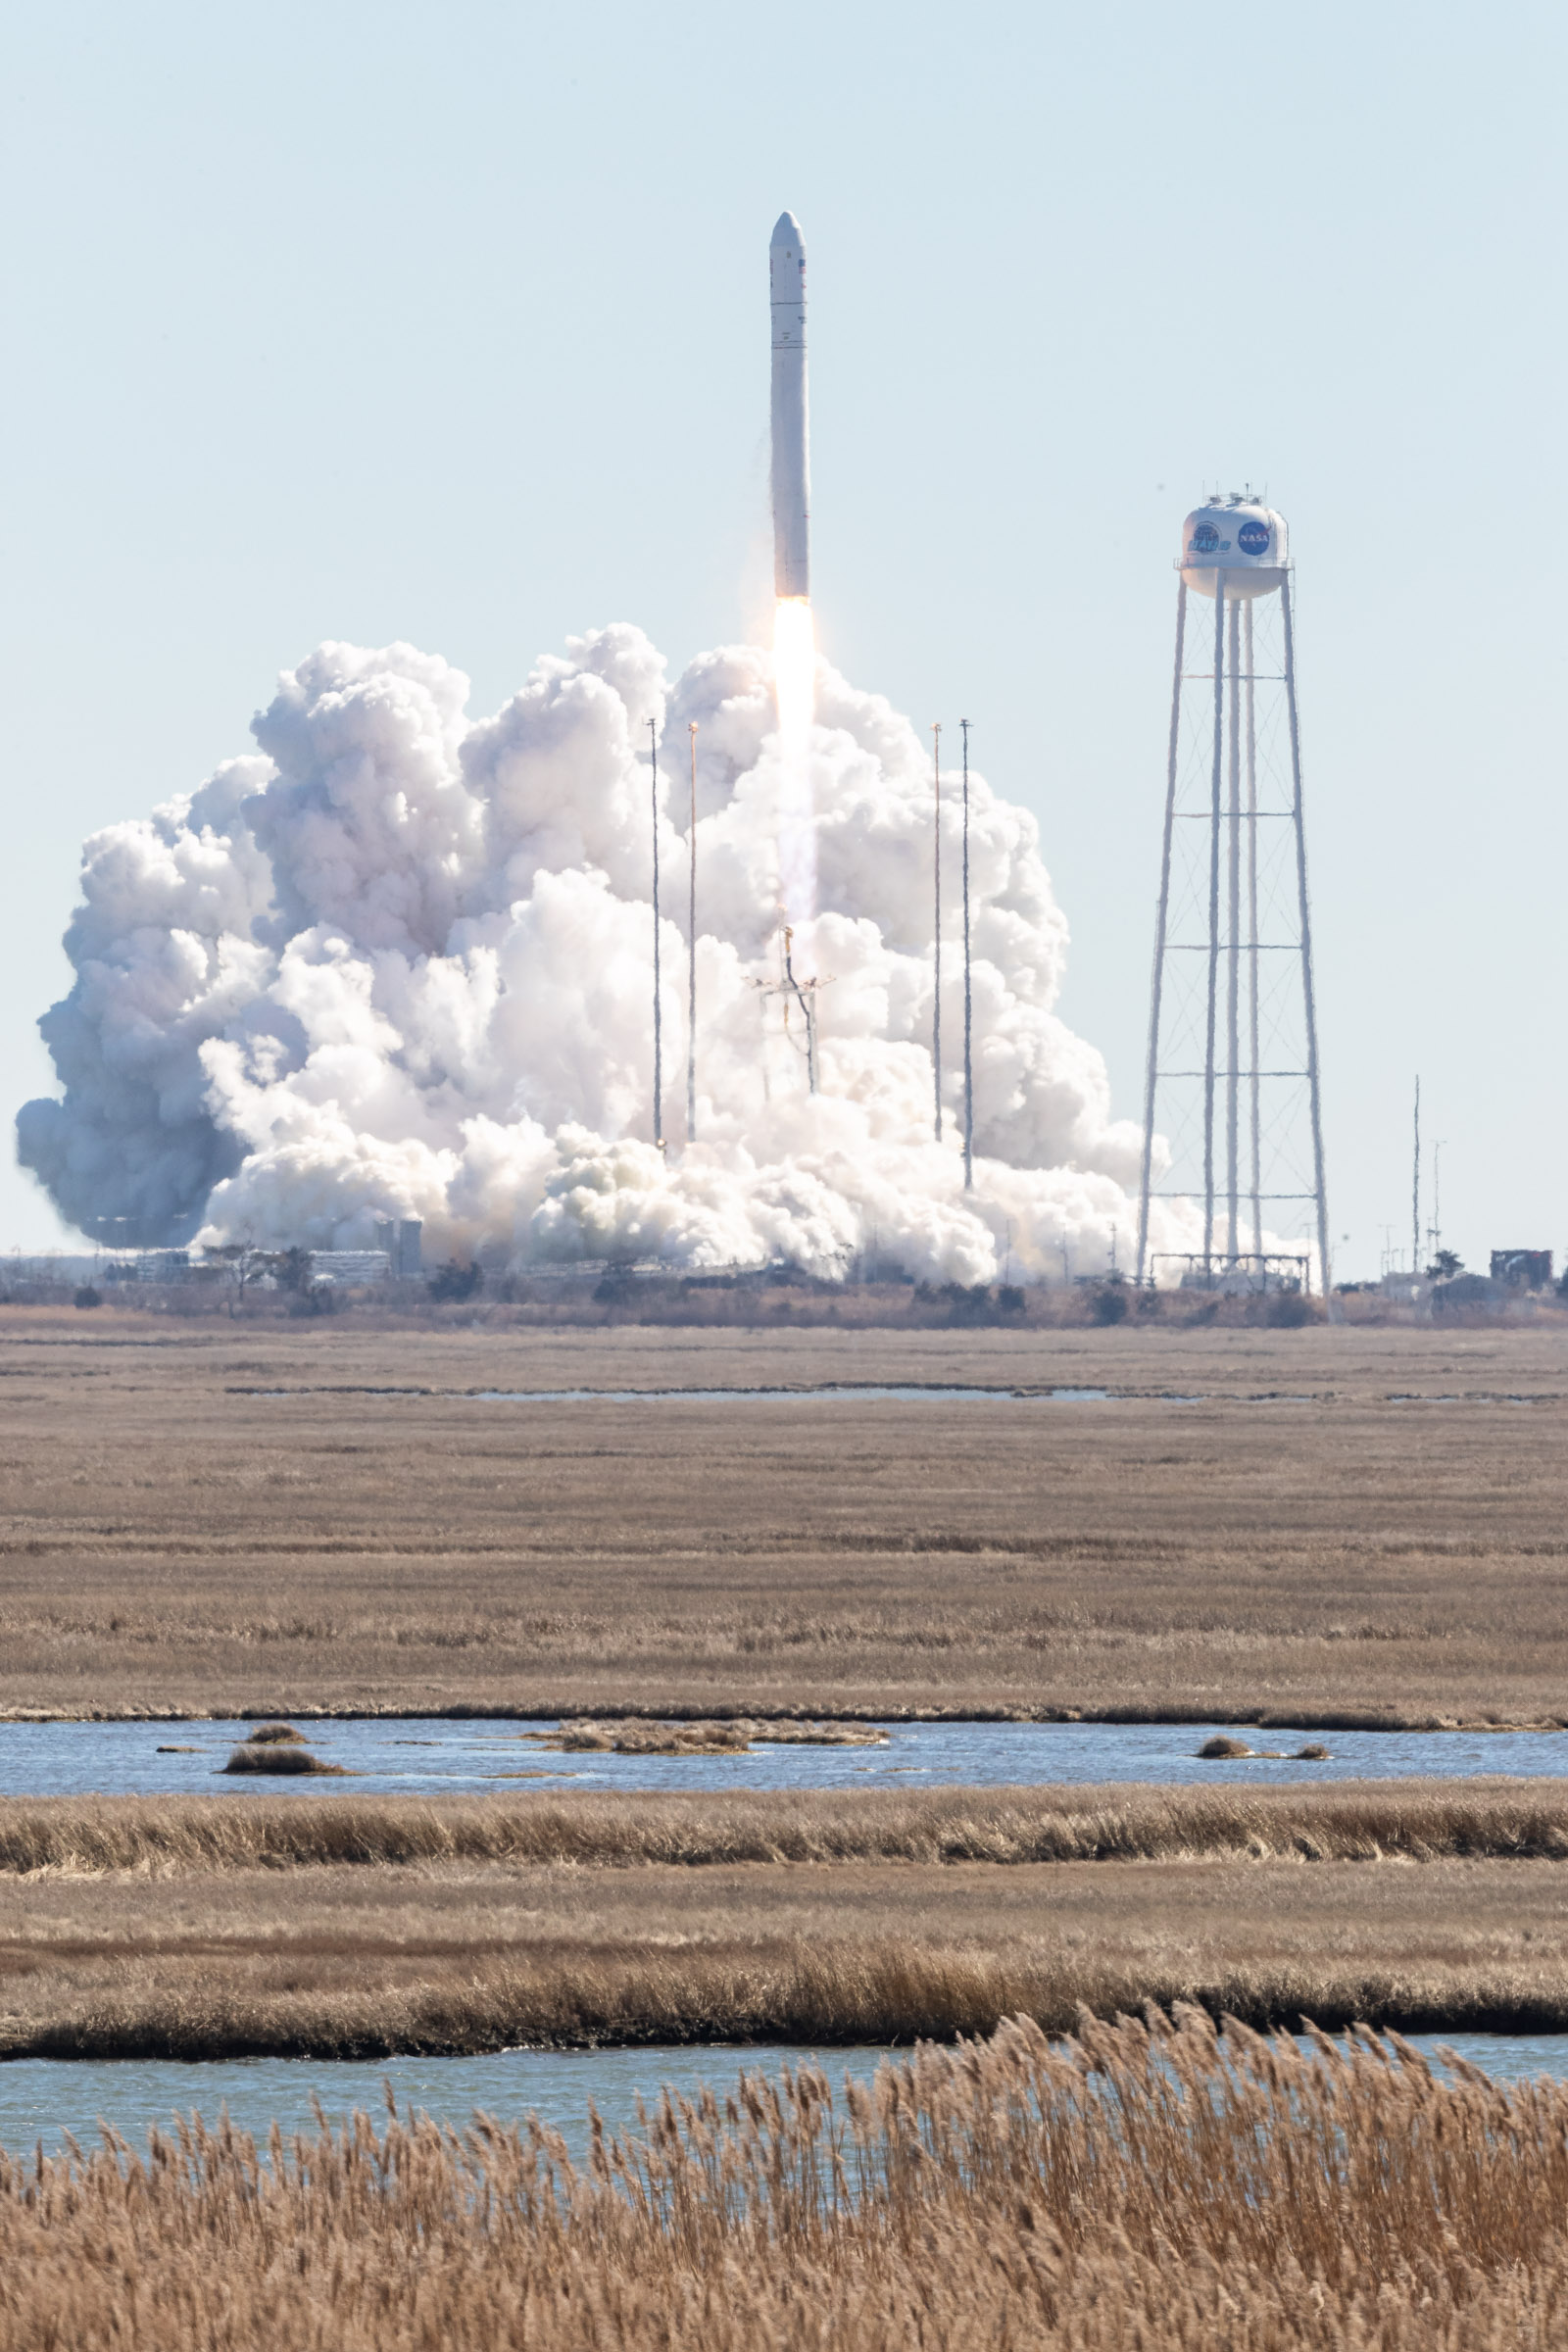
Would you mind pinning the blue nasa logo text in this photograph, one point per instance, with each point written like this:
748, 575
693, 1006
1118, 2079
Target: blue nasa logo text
1253, 537
1204, 540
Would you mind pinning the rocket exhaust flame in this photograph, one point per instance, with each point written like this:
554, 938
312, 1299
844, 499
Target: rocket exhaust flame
794, 688
794, 670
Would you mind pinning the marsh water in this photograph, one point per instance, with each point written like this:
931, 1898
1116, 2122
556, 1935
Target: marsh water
865, 1391
41, 2099
414, 1756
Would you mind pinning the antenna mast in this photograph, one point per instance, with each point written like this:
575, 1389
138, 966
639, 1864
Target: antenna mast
968, 1009
936, 867
691, 959
1415, 1190
659, 1038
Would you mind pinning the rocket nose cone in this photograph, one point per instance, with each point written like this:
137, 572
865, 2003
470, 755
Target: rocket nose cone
787, 231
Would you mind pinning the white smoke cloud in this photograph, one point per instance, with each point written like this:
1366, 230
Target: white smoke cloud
401, 963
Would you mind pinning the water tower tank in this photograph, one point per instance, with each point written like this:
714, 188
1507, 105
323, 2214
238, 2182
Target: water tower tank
1239, 535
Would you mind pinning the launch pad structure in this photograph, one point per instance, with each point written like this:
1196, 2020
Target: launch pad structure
1232, 1017
789, 988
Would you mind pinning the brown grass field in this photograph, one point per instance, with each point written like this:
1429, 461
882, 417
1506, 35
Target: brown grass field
1143, 2186
349, 1927
1294, 1547
282, 1519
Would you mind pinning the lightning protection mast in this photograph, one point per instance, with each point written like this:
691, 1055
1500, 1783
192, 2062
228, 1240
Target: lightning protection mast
658, 1023
690, 954
1232, 1103
936, 921
968, 993
1415, 1188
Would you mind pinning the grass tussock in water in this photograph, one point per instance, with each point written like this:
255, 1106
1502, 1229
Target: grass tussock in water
1222, 1749
272, 1735
277, 1759
636, 1736
1142, 2185
1347, 1821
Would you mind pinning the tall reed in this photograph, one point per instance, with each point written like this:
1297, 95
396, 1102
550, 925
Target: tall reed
1145, 2184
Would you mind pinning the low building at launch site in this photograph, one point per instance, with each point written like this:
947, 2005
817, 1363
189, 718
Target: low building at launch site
402, 1238
1522, 1269
342, 1266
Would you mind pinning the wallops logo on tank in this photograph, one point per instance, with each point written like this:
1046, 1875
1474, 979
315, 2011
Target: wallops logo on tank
1204, 540
1253, 537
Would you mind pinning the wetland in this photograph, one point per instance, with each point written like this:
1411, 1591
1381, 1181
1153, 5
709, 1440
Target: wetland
1294, 1547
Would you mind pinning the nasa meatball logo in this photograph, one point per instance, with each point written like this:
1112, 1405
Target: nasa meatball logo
1252, 538
1206, 539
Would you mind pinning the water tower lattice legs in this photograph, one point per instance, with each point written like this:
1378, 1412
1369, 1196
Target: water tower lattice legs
1232, 947
1309, 994
1255, 1105
1162, 927
1237, 1021
1213, 921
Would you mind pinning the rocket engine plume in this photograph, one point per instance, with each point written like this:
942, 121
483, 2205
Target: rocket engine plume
794, 688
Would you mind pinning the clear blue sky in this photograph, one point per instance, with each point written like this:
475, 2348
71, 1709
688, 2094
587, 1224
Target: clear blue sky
449, 323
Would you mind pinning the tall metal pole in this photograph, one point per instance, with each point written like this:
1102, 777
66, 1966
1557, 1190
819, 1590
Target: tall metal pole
1415, 1188
1213, 921
1162, 919
1252, 934
690, 958
936, 865
1307, 940
659, 1037
1233, 952
968, 1009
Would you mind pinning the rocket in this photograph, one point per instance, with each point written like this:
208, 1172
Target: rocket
792, 474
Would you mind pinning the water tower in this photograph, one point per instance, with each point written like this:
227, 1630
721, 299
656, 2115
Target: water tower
1232, 1080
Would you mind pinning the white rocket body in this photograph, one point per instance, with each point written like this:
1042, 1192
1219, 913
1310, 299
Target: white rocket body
792, 474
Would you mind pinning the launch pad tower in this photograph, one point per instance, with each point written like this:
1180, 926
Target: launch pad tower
1232, 1079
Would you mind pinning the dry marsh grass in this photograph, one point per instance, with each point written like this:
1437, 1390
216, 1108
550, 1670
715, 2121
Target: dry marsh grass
632, 1736
1347, 1820
1296, 1547
342, 1926
1144, 2185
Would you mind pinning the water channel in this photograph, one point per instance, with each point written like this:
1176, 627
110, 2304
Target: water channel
41, 2099
417, 1756
875, 1392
